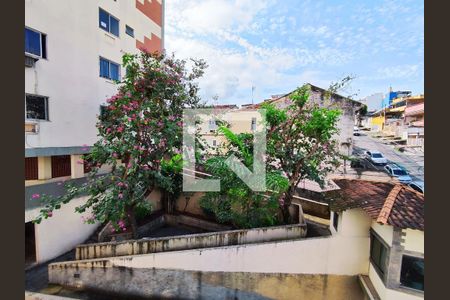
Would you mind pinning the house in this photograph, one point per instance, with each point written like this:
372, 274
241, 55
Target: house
414, 120
244, 120
73, 54
392, 215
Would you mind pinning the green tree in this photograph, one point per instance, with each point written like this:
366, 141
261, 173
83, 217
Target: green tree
300, 142
140, 137
236, 203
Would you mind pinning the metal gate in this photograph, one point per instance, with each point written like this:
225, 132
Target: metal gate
61, 166
31, 168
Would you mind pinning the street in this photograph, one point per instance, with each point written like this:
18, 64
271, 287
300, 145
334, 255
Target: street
413, 163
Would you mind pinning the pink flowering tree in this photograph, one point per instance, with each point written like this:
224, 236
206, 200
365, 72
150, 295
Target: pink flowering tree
140, 137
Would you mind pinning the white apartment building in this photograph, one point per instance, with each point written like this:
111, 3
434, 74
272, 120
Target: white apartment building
73, 54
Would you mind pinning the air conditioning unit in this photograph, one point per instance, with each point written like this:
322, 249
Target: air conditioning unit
31, 128
30, 61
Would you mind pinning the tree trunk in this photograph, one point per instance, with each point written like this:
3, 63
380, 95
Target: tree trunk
133, 222
288, 195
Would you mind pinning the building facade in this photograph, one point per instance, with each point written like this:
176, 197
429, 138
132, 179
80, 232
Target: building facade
73, 55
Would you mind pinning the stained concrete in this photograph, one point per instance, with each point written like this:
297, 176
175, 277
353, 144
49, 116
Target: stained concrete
182, 284
191, 241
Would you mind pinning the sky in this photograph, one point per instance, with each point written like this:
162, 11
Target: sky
278, 45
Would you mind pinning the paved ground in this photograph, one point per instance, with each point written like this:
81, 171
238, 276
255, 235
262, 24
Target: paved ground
412, 162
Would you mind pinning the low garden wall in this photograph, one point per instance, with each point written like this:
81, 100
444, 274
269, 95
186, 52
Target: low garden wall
191, 241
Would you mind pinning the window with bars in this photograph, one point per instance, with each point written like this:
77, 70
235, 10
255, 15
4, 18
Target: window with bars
36, 107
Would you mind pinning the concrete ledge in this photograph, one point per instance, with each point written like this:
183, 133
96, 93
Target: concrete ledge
191, 241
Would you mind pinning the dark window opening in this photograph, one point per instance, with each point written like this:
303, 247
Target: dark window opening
108, 23
378, 254
129, 30
35, 43
253, 126
412, 274
36, 107
109, 69
30, 244
31, 168
61, 166
335, 220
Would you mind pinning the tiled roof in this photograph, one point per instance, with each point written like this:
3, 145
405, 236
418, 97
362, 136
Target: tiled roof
387, 203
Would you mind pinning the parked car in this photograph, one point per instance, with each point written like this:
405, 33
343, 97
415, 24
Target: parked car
399, 173
376, 157
356, 131
418, 186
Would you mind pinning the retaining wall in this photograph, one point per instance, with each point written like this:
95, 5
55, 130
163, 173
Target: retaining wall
179, 284
191, 241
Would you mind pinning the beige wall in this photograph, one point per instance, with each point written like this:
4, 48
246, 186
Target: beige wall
354, 223
327, 255
62, 232
386, 232
414, 240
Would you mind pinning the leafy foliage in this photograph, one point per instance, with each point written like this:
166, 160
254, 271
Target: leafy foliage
236, 203
140, 138
300, 142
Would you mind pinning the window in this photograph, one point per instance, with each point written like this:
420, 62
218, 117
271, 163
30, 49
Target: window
253, 126
378, 254
412, 273
214, 142
36, 107
108, 23
335, 220
212, 125
35, 43
129, 30
109, 69
399, 172
103, 111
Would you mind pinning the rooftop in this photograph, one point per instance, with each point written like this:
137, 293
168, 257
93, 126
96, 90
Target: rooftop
385, 202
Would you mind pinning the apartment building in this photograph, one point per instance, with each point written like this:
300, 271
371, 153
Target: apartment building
73, 54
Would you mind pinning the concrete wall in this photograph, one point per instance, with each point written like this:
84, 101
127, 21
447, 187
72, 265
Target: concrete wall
324, 255
354, 223
177, 284
191, 241
61, 232
190, 204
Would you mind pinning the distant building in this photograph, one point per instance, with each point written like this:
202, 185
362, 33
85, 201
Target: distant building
346, 122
